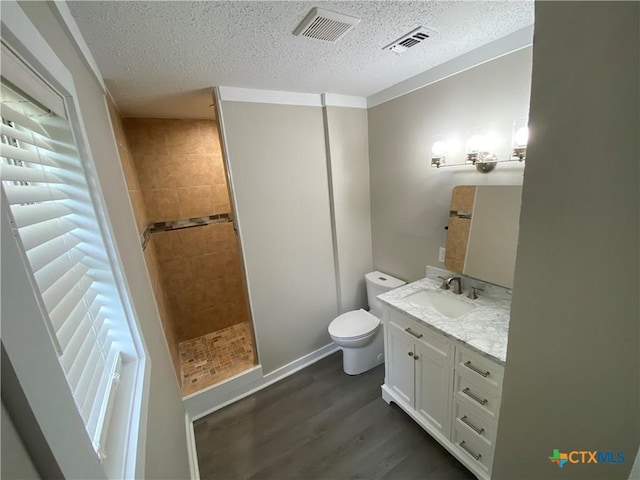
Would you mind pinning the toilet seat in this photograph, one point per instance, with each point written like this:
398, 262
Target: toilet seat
353, 325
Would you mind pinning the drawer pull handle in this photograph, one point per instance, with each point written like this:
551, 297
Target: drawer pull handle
470, 366
411, 354
463, 446
466, 421
481, 401
411, 332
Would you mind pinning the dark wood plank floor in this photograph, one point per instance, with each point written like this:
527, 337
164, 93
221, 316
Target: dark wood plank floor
320, 424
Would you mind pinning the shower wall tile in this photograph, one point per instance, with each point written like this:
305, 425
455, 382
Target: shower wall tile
183, 156
181, 175
162, 204
162, 301
196, 201
202, 274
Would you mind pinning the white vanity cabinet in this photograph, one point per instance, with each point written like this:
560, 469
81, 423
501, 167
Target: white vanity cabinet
418, 370
451, 391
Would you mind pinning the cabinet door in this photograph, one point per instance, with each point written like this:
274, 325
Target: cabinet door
433, 382
400, 363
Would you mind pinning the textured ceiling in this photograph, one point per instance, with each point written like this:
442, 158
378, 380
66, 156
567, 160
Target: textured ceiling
155, 54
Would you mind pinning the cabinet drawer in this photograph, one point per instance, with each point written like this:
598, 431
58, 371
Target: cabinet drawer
472, 449
476, 367
477, 397
421, 333
471, 421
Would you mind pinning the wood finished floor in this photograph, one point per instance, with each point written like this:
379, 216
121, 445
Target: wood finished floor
320, 424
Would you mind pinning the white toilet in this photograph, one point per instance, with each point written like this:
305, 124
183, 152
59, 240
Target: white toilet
359, 332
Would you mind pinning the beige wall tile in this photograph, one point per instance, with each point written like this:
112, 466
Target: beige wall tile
183, 137
168, 245
177, 274
139, 209
194, 170
221, 198
146, 136
162, 204
218, 171
209, 134
195, 201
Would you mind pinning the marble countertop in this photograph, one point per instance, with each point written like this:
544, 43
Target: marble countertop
484, 329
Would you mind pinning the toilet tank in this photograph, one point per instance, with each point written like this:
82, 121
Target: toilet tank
377, 284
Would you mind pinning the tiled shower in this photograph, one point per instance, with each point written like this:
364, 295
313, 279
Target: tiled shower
178, 189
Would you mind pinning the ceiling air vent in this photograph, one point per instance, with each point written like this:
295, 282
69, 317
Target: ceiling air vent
409, 40
324, 25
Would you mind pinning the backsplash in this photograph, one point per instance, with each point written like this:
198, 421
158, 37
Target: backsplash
467, 282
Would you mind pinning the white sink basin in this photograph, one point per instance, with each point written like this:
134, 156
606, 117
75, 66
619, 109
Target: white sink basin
441, 302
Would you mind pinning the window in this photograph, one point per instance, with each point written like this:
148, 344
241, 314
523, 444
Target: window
54, 216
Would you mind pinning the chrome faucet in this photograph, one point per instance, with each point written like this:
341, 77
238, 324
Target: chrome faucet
457, 287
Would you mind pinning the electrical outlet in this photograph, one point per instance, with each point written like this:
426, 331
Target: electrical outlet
441, 253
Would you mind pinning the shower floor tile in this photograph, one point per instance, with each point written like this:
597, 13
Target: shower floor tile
215, 356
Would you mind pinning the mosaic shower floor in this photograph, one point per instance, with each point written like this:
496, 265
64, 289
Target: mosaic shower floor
215, 357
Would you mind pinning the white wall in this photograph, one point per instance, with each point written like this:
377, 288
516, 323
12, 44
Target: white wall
572, 377
409, 199
346, 132
277, 160
166, 452
16, 462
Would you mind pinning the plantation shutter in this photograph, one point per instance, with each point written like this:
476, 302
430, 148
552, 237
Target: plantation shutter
53, 215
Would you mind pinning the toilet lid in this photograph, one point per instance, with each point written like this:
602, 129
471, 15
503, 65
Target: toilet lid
353, 324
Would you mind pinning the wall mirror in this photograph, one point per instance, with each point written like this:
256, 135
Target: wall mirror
482, 232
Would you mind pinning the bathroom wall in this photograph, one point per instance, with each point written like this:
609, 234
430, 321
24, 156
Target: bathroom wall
278, 164
203, 278
181, 174
572, 377
179, 166
348, 160
409, 198
140, 214
162, 447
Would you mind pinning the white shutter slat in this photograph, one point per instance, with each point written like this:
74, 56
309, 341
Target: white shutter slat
11, 114
30, 156
28, 194
25, 215
26, 136
68, 303
105, 395
43, 254
75, 344
70, 281
79, 360
42, 232
89, 382
47, 276
82, 368
16, 173
71, 327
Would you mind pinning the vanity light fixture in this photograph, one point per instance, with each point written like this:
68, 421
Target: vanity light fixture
438, 153
519, 138
480, 148
443, 149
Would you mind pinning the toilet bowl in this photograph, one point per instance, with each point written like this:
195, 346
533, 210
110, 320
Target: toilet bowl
359, 333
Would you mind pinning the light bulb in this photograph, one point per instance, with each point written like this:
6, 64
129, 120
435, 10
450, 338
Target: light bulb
474, 144
453, 147
439, 149
521, 137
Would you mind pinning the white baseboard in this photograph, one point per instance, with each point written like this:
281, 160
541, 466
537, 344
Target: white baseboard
194, 470
200, 404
